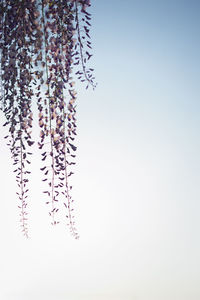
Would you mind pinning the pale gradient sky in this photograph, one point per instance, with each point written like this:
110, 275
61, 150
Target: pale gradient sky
137, 178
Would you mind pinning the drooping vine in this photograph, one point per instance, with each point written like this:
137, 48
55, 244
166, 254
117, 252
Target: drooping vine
44, 44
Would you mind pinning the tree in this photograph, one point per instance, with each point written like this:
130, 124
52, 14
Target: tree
42, 42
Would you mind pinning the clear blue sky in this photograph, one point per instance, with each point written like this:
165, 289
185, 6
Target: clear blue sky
138, 170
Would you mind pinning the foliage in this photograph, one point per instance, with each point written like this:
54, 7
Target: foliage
42, 42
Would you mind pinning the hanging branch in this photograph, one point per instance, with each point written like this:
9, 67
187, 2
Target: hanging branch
50, 106
16, 79
65, 24
83, 40
41, 41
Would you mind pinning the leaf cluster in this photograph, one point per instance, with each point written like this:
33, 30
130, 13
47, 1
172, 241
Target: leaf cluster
41, 43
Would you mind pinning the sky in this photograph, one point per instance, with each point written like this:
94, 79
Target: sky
136, 182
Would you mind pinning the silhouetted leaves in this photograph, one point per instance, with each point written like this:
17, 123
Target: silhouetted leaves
41, 41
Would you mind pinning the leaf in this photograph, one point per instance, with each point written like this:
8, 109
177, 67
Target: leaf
71, 173
30, 143
73, 147
42, 169
46, 192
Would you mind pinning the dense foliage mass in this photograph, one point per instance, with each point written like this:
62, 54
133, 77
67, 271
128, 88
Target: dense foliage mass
41, 43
